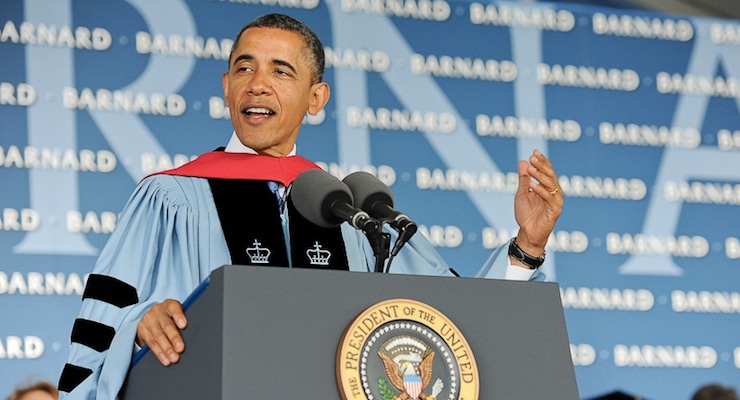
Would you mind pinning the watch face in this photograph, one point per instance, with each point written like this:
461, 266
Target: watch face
520, 254
516, 251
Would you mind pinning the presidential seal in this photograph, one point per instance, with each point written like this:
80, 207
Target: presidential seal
402, 349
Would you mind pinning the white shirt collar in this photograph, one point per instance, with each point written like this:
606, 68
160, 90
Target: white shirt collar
236, 146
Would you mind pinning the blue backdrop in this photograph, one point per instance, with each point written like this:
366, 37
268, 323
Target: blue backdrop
439, 98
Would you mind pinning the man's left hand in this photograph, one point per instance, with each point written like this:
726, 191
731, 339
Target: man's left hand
537, 205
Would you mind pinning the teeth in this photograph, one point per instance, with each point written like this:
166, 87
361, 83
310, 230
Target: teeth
258, 110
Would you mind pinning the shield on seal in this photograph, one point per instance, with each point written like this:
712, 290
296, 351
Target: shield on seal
412, 384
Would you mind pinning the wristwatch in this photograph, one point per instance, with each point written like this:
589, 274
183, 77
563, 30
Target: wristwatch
527, 259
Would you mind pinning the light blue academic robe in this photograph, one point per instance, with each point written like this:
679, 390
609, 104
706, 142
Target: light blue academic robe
168, 239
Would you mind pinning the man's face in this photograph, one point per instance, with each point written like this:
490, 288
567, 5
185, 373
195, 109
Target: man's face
268, 89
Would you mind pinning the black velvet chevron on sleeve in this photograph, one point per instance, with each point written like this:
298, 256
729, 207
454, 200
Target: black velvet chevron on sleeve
72, 376
92, 334
110, 290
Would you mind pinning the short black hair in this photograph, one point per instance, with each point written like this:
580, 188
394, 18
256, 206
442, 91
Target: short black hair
290, 24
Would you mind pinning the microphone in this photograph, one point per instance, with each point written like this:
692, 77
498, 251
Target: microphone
327, 202
376, 198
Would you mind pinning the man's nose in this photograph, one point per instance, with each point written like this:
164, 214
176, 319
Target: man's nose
259, 83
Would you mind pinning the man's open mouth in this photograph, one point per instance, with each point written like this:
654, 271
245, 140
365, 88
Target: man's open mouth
258, 111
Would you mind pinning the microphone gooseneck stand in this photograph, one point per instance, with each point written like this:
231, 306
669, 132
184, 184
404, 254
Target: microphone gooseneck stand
379, 241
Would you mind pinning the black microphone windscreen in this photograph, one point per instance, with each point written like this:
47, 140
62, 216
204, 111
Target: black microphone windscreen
314, 192
368, 190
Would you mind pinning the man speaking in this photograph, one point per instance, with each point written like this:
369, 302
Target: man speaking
229, 207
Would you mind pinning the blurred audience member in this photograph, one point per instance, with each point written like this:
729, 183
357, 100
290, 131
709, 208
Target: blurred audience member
715, 392
39, 391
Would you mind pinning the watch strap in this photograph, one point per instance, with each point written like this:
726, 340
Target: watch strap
525, 258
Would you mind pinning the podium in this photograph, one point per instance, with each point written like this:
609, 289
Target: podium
273, 333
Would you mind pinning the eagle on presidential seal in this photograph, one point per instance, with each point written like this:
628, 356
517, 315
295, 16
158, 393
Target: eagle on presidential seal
408, 366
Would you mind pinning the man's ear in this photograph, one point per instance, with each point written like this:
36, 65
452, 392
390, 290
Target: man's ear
320, 94
225, 84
